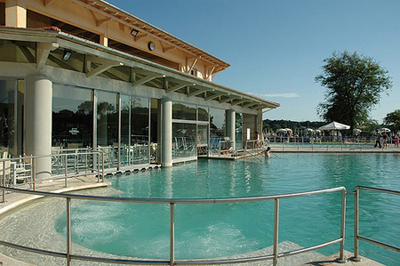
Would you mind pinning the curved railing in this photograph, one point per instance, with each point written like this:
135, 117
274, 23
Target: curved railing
172, 261
357, 236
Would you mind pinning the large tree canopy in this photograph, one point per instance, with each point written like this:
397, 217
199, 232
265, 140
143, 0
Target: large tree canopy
392, 120
354, 85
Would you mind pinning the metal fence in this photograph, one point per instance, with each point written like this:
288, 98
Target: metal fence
357, 236
69, 255
23, 171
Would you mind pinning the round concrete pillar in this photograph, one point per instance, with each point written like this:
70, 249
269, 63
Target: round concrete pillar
231, 126
38, 121
166, 143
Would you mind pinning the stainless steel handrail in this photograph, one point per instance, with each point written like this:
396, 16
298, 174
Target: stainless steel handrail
275, 256
357, 236
97, 166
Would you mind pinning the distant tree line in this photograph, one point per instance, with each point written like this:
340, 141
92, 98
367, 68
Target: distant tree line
277, 124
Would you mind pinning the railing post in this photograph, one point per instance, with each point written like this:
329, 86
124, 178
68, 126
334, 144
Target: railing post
172, 234
276, 232
69, 242
343, 227
102, 174
33, 171
66, 170
86, 163
356, 225
4, 181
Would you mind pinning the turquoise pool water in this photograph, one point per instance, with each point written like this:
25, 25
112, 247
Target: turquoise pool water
216, 230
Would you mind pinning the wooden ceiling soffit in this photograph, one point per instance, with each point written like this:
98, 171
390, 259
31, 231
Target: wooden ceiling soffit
99, 21
200, 91
177, 87
43, 51
104, 65
146, 79
165, 47
47, 2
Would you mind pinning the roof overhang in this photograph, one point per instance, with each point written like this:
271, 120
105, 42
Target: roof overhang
115, 64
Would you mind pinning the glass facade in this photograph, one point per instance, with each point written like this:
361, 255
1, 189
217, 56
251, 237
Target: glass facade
7, 117
140, 111
72, 117
183, 111
184, 140
239, 131
189, 130
217, 123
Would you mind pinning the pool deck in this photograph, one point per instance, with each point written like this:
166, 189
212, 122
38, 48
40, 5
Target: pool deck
332, 261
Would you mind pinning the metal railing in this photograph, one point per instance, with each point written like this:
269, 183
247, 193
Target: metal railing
69, 256
357, 236
21, 171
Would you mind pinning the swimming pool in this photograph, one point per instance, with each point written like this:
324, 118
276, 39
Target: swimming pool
219, 230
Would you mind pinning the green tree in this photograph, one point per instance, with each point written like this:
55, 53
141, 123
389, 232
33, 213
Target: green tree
392, 120
354, 85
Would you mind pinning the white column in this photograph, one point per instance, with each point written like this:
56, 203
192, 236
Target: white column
231, 126
166, 148
38, 121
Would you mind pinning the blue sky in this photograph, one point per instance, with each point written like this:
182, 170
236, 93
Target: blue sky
276, 47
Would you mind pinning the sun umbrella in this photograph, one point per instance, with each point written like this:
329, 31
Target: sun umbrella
334, 126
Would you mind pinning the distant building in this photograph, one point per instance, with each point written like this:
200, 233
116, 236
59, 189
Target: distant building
86, 74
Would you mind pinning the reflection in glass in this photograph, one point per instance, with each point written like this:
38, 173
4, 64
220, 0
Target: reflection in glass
140, 130
125, 129
217, 123
183, 140
72, 117
7, 92
107, 127
239, 131
183, 111
202, 114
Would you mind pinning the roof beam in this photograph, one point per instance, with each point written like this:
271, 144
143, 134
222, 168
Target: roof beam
240, 102
105, 65
47, 2
200, 91
42, 52
212, 97
230, 98
249, 105
145, 79
177, 87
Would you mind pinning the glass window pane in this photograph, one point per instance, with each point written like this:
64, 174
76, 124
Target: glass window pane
183, 140
140, 130
183, 111
239, 130
217, 123
72, 117
202, 113
7, 92
107, 127
125, 129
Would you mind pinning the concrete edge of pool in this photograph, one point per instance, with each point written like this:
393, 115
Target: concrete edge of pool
14, 201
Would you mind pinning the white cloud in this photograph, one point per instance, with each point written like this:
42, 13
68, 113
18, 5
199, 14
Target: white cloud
280, 95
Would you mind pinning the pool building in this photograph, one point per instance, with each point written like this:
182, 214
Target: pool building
84, 74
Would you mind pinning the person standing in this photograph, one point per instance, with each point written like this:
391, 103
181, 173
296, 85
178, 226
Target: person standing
378, 140
396, 139
385, 137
